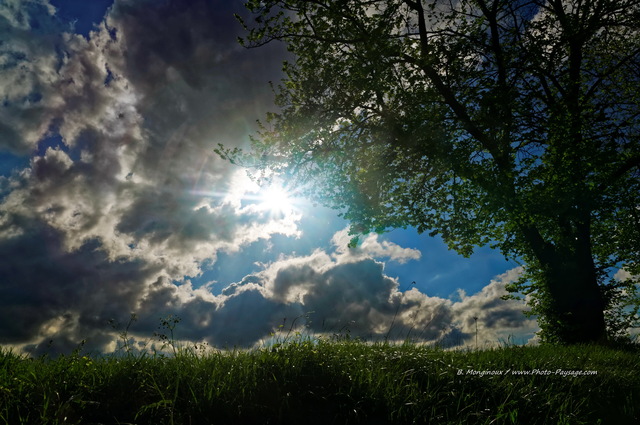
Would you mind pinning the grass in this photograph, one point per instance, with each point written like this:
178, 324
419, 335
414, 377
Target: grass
326, 382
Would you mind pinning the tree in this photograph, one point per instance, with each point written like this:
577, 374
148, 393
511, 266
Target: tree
501, 122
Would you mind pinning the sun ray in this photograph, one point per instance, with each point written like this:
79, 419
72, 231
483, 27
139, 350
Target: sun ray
275, 199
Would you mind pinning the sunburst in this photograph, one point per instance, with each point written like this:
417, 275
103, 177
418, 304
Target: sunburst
275, 199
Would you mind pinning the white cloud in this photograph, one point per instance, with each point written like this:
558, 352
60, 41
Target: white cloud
29, 63
497, 319
371, 246
623, 275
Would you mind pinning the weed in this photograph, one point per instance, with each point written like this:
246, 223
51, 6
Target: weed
168, 324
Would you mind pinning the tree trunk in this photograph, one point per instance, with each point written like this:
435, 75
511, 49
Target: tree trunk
576, 305
571, 306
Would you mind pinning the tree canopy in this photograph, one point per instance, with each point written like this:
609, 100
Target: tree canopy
510, 123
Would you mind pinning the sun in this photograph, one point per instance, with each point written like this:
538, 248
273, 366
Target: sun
275, 199
271, 197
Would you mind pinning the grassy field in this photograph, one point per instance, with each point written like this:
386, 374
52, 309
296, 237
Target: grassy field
327, 382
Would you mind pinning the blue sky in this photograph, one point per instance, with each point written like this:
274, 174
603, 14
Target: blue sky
113, 202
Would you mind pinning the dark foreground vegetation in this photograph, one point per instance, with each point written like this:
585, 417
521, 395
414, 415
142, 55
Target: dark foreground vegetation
327, 382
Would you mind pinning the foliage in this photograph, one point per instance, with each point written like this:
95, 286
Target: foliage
623, 308
509, 123
322, 381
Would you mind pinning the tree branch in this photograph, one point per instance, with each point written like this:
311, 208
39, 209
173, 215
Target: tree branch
625, 167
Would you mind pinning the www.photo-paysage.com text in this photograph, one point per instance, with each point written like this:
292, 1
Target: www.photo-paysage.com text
559, 372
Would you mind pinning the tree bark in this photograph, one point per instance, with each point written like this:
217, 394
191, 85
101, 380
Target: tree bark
576, 301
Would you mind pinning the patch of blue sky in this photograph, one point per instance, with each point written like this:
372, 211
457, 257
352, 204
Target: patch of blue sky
82, 15
10, 163
440, 271
53, 141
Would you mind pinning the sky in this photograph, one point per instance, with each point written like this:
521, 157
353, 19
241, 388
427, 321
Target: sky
113, 202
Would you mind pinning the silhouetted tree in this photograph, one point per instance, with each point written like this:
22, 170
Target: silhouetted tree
501, 122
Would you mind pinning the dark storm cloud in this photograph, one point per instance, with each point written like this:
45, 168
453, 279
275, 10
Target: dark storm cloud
185, 62
358, 296
240, 320
246, 318
355, 292
43, 287
185, 35
151, 217
353, 297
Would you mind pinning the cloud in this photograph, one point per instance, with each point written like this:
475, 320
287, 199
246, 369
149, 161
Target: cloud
497, 320
137, 127
321, 295
624, 275
119, 129
324, 295
371, 246
47, 291
29, 61
314, 293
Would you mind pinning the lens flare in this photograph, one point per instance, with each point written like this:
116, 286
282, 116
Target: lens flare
276, 199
